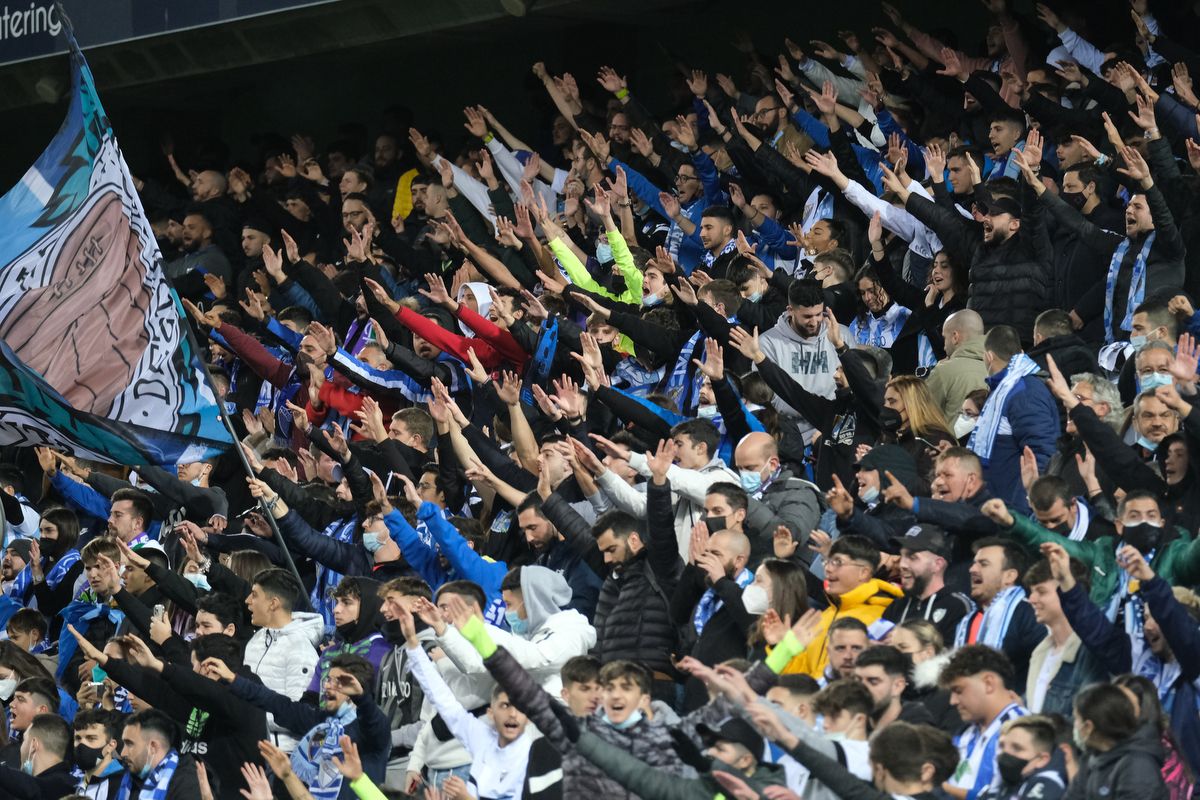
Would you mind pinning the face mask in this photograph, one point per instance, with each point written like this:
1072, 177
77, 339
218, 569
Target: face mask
27, 766
751, 481
1075, 200
1143, 536
1138, 342
836, 737
144, 772
195, 481
1078, 737
7, 687
754, 297
88, 757
754, 600
714, 524
890, 420
963, 425
1153, 381
633, 719
651, 300
1010, 768
1146, 443
515, 623
706, 412
870, 495
199, 580
371, 541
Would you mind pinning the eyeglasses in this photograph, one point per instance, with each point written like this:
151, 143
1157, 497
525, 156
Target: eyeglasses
680, 178
763, 111
837, 562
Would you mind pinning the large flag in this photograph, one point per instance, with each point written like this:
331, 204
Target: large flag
95, 358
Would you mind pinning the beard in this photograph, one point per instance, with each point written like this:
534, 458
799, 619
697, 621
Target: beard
919, 584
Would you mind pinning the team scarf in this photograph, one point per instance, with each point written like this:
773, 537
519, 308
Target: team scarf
996, 619
710, 603
1083, 518
359, 335
710, 259
683, 383
312, 760
1137, 285
636, 379
19, 588
61, 567
992, 415
322, 592
879, 331
978, 747
543, 358
155, 786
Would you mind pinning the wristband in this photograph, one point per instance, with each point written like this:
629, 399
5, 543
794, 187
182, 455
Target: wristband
621, 93
475, 633
488, 137
788, 648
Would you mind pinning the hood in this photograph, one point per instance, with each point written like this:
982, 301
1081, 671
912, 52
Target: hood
306, 624
925, 674
544, 592
971, 349
872, 593
1146, 740
370, 618
482, 297
783, 327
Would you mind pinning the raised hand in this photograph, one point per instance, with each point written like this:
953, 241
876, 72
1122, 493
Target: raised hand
896, 493
610, 80
1029, 467
996, 510
839, 499
952, 64
1135, 168
712, 366
747, 344
661, 459
1060, 563
350, 764
698, 82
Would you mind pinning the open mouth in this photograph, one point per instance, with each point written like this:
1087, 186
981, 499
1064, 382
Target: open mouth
511, 729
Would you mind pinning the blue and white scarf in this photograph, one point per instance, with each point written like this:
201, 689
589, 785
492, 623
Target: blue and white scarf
321, 596
1137, 285
879, 331
710, 259
19, 588
683, 384
978, 748
543, 359
636, 379
992, 415
157, 782
710, 603
61, 567
312, 760
996, 619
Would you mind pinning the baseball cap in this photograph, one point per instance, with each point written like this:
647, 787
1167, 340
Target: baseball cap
924, 537
733, 729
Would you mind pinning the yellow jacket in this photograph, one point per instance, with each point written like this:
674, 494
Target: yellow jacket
865, 603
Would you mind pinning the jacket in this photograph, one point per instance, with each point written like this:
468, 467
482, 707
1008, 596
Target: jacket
284, 660
958, 375
1078, 266
1010, 283
1129, 771
865, 602
1071, 354
184, 785
944, 608
633, 615
724, 634
810, 361
788, 501
1075, 670
1032, 416
399, 696
56, 781
648, 742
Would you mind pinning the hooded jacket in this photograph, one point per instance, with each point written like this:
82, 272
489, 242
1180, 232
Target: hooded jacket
284, 660
483, 302
958, 375
865, 603
1129, 770
810, 361
359, 638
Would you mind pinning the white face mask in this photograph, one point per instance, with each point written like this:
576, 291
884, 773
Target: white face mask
755, 600
7, 687
964, 425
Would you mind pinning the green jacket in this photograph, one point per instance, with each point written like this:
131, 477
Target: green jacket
1178, 563
650, 783
579, 275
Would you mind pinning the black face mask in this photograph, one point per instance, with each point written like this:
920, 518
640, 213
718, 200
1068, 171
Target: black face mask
392, 632
1075, 200
1143, 536
88, 757
714, 524
1010, 768
890, 420
1062, 530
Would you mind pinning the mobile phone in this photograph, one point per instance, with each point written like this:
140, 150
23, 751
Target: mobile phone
98, 676
159, 611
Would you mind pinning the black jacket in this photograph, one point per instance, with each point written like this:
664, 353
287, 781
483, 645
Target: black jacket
1071, 354
1132, 769
724, 635
52, 783
184, 785
943, 608
1077, 266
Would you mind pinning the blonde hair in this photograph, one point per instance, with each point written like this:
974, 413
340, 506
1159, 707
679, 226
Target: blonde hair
924, 415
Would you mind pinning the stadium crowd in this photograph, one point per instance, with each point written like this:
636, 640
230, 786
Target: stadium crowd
826, 432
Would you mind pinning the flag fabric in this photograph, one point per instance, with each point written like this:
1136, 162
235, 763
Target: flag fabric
95, 358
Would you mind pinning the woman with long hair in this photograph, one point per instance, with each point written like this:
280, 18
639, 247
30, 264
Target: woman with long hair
778, 596
1175, 773
59, 567
911, 419
1119, 756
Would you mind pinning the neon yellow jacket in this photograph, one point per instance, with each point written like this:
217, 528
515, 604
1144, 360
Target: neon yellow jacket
579, 275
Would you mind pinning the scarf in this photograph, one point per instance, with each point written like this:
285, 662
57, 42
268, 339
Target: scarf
637, 380
61, 567
327, 579
879, 331
996, 618
992, 416
710, 259
710, 603
359, 335
155, 786
683, 383
543, 358
312, 760
21, 584
1137, 285
1083, 518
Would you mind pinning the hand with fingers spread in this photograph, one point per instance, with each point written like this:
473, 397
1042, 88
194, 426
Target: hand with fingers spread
712, 366
747, 344
660, 461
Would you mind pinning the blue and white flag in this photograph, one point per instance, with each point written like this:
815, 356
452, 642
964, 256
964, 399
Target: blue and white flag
94, 356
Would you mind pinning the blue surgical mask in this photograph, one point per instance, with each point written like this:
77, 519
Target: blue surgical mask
1138, 342
27, 766
706, 412
870, 495
1146, 443
651, 300
195, 481
1153, 381
632, 720
754, 297
145, 771
751, 481
372, 541
515, 623
199, 580
604, 252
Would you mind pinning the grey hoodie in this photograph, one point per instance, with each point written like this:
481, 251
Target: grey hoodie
544, 593
810, 361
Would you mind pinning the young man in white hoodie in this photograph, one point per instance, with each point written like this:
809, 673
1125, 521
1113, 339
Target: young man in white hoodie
283, 651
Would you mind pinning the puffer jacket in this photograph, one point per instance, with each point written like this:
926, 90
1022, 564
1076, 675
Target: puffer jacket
1129, 770
652, 744
633, 616
1011, 282
285, 660
865, 603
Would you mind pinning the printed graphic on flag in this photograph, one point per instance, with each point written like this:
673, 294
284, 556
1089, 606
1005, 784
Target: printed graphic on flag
94, 356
